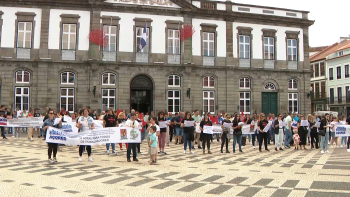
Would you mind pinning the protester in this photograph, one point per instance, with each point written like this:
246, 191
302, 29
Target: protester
348, 144
225, 132
52, 147
121, 121
278, 130
324, 133
188, 135
110, 120
178, 128
296, 139
134, 124
255, 128
263, 135
153, 145
288, 130
197, 118
205, 137
85, 123
334, 139
162, 136
237, 133
313, 133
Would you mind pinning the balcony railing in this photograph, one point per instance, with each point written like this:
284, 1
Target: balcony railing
315, 96
338, 100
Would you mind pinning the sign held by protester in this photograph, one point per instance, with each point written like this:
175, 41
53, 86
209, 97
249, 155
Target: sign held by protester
26, 122
342, 130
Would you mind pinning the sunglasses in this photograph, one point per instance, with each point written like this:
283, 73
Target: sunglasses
280, 116
50, 113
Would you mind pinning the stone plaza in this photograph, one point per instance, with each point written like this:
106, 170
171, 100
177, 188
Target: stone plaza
24, 171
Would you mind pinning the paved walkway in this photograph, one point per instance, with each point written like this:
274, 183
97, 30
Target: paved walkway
24, 171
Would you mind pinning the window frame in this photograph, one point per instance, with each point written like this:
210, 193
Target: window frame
208, 99
206, 42
331, 96
23, 71
293, 104
245, 80
209, 79
22, 95
268, 45
291, 82
331, 74
109, 79
69, 33
174, 40
346, 71
244, 46
244, 99
137, 48
25, 32
173, 98
108, 97
174, 80
67, 96
269, 84
108, 35
292, 47
338, 72
340, 94
67, 82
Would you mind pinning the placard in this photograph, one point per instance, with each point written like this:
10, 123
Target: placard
304, 123
26, 122
188, 123
342, 130
208, 129
162, 124
318, 124
228, 125
267, 128
282, 124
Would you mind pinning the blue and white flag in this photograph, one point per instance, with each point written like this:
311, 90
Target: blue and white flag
144, 38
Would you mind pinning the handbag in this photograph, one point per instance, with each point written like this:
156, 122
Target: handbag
322, 132
239, 133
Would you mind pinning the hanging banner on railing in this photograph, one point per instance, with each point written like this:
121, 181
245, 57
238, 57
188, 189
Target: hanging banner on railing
94, 137
342, 130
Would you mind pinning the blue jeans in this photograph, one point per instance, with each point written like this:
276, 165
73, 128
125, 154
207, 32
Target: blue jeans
187, 141
324, 142
2, 132
253, 138
237, 139
288, 138
10, 130
269, 136
178, 131
113, 146
343, 139
143, 135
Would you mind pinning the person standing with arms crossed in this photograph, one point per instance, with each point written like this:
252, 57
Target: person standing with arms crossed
110, 120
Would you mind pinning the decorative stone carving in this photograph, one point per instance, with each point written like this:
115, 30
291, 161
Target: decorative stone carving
167, 3
141, 81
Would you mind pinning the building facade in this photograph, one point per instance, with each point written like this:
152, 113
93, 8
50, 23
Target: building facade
240, 58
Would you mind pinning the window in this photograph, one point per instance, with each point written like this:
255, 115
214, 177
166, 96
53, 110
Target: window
322, 68
317, 70
346, 70
312, 74
338, 72
331, 95
69, 37
347, 94
339, 91
108, 99
244, 47
24, 38
111, 34
293, 102
323, 89
22, 77
173, 81
269, 48
244, 83
208, 44
22, 98
270, 86
317, 88
67, 78
174, 42
330, 73
173, 101
244, 102
292, 50
139, 33
208, 101
293, 84
208, 82
340, 53
67, 99
108, 79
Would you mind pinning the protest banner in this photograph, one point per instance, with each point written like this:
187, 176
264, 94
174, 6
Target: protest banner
26, 122
94, 137
267, 128
304, 123
208, 129
342, 130
246, 130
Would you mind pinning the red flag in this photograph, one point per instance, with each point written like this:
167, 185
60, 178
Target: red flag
214, 120
118, 112
242, 117
143, 121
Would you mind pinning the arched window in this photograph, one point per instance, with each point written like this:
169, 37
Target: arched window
174, 81
208, 82
270, 86
293, 84
244, 83
108, 79
22, 77
67, 78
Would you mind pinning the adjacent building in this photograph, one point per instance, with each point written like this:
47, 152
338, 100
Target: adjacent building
240, 58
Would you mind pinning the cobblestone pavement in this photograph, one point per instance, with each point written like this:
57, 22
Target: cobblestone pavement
24, 171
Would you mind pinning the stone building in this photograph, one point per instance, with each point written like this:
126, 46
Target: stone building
241, 57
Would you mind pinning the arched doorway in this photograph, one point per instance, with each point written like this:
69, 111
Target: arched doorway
141, 94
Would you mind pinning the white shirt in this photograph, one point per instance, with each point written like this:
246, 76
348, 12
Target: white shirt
288, 120
131, 123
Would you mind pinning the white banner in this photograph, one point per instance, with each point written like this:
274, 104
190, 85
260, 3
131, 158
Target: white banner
246, 130
26, 122
94, 137
342, 130
208, 129
304, 123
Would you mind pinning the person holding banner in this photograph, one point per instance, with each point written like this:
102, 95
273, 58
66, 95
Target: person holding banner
302, 131
52, 147
334, 139
348, 143
263, 123
204, 137
196, 117
324, 133
121, 121
278, 130
225, 133
133, 123
313, 133
162, 135
84, 123
254, 126
110, 120
188, 126
237, 133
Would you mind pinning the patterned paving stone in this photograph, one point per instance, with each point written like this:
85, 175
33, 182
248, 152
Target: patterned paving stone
72, 192
325, 194
76, 174
27, 184
237, 180
191, 187
190, 176
263, 182
249, 192
212, 178
330, 185
290, 183
49, 188
140, 182
117, 180
96, 177
165, 184
165, 175
220, 189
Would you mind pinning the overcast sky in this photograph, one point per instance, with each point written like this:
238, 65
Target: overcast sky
332, 19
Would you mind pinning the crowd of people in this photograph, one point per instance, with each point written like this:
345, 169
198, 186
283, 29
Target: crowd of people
284, 131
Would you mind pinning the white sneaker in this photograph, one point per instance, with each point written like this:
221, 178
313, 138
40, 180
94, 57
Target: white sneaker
80, 159
50, 161
184, 152
114, 152
348, 150
192, 152
322, 151
107, 152
328, 151
341, 146
253, 147
31, 139
90, 159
